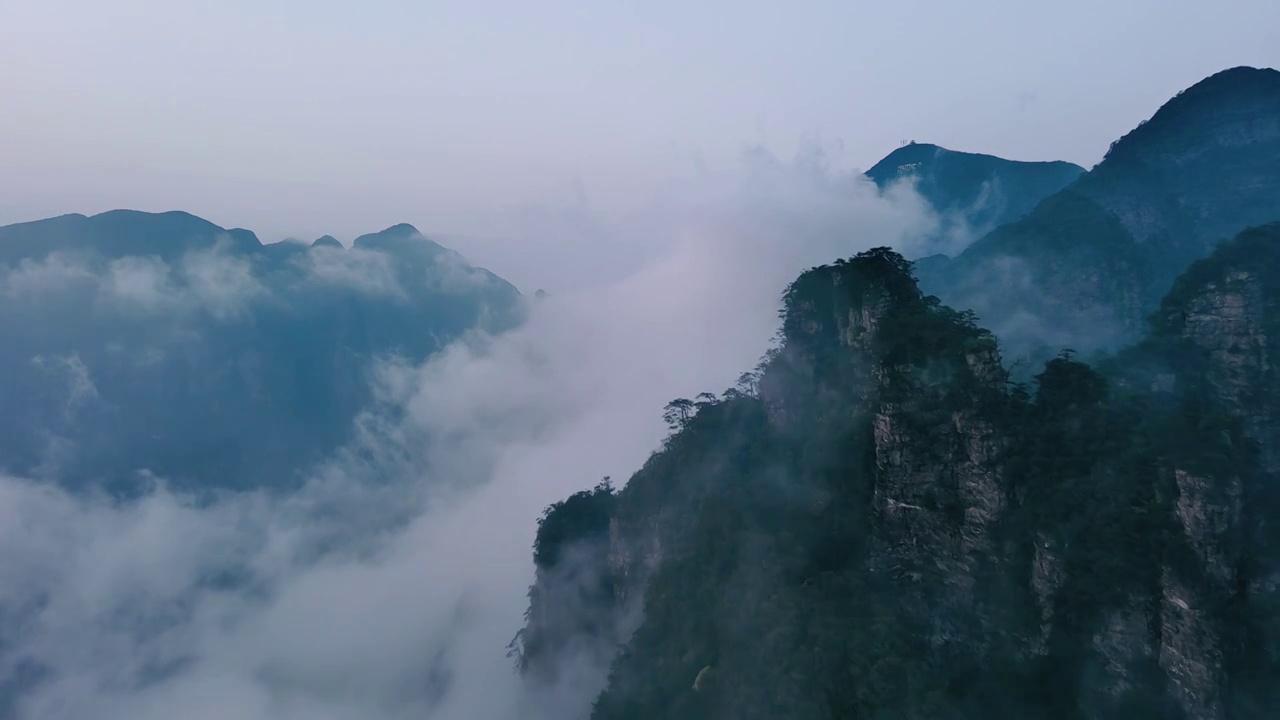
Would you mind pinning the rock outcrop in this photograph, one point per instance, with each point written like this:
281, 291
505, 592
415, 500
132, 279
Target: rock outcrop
1100, 548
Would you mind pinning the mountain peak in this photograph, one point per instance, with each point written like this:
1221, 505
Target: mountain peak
918, 158
1234, 82
401, 229
394, 234
971, 192
1230, 108
404, 240
1094, 260
903, 160
327, 241
117, 233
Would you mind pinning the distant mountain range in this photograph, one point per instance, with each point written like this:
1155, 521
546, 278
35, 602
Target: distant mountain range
1087, 266
140, 344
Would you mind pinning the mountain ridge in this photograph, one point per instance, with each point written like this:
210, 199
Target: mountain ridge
970, 192
1206, 166
34, 238
164, 312
891, 166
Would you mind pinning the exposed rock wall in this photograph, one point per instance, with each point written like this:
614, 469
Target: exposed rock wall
967, 520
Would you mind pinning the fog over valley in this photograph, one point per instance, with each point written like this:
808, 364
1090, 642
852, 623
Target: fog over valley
388, 577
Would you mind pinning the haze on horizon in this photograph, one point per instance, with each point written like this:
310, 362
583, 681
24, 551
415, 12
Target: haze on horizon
301, 119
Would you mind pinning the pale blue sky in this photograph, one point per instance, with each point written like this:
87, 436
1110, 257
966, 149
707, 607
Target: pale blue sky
312, 116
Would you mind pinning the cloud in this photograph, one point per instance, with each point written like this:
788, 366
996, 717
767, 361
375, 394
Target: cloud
451, 273
213, 281
367, 271
31, 279
949, 231
141, 284
816, 199
80, 387
220, 283
390, 584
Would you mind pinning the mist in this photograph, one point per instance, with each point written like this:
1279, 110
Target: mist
390, 583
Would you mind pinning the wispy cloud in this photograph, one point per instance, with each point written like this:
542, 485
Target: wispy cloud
221, 283
143, 284
390, 584
33, 279
79, 384
365, 271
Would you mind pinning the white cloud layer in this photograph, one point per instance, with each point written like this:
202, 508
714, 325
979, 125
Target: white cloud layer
389, 586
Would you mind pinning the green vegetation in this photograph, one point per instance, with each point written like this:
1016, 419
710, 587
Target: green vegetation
786, 585
574, 596
1091, 261
583, 516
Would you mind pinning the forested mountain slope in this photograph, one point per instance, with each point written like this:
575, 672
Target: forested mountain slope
1089, 263
140, 345
877, 523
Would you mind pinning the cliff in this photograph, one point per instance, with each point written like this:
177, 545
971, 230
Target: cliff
878, 523
1219, 330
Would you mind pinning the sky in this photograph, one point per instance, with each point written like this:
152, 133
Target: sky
296, 118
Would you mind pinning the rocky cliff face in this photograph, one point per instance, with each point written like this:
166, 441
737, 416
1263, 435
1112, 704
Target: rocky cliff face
900, 531
1206, 615
1225, 310
874, 369
1223, 317
932, 405
1223, 320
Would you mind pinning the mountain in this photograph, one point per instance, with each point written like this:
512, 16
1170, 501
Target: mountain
877, 522
118, 233
972, 193
1088, 265
143, 344
1225, 313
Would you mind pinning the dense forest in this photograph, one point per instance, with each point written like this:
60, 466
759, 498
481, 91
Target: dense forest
878, 522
